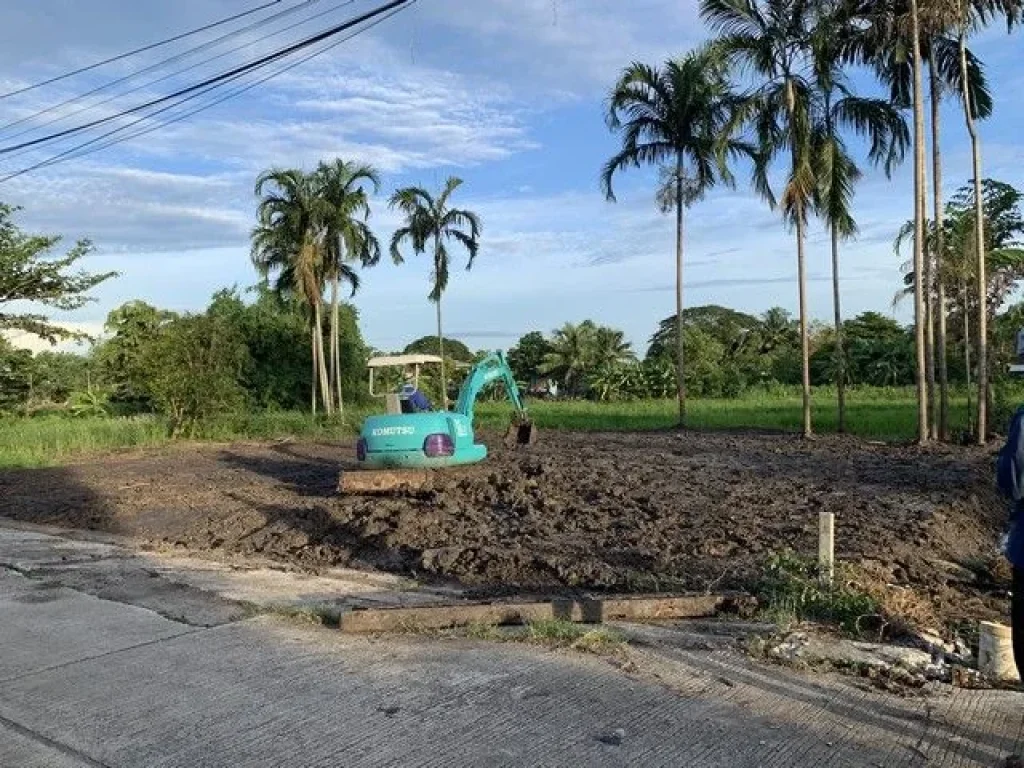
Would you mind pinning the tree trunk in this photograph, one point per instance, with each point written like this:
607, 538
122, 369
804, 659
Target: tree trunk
967, 354
680, 345
941, 353
805, 344
336, 341
919, 192
979, 251
325, 388
939, 254
440, 352
840, 348
332, 377
312, 380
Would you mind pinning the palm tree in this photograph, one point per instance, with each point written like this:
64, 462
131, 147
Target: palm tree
769, 41
944, 74
610, 348
340, 187
571, 354
886, 42
675, 117
431, 223
287, 241
836, 171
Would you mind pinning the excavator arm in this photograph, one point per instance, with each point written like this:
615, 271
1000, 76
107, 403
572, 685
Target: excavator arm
492, 368
495, 367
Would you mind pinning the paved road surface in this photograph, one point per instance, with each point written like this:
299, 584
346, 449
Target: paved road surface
87, 681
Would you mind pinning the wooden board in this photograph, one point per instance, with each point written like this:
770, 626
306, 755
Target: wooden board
586, 611
382, 480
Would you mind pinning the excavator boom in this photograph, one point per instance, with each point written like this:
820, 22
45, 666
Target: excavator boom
495, 367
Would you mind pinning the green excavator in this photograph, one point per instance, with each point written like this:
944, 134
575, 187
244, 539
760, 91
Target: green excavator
399, 449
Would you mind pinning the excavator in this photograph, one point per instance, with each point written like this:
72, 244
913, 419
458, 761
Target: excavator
399, 450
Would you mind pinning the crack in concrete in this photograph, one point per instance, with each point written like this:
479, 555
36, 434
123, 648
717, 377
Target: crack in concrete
104, 655
64, 749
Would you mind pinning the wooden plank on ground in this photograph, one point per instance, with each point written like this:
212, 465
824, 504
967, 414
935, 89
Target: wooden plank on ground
588, 611
382, 480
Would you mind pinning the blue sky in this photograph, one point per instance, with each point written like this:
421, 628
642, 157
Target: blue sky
506, 94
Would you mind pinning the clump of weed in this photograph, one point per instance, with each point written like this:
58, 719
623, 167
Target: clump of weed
568, 634
324, 614
480, 630
791, 590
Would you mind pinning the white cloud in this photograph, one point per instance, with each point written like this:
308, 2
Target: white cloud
565, 46
33, 343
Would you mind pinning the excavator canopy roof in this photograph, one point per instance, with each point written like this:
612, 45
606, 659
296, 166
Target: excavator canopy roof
386, 361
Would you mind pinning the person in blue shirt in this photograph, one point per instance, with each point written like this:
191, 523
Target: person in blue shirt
1010, 478
413, 401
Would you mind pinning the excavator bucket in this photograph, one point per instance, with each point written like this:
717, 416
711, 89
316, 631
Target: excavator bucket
521, 433
383, 480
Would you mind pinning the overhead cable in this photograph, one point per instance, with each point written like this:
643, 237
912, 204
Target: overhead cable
143, 49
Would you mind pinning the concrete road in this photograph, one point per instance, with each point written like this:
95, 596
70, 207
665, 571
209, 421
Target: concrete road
93, 681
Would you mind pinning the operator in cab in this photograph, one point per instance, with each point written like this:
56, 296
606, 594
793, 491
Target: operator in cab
413, 400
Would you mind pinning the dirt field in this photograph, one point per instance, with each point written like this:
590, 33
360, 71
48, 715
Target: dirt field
625, 511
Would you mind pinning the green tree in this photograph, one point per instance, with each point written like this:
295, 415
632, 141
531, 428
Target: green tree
288, 243
453, 348
770, 41
676, 117
131, 328
837, 111
571, 355
29, 274
527, 356
430, 223
193, 369
342, 191
955, 270
56, 375
15, 376
898, 36
778, 330
610, 349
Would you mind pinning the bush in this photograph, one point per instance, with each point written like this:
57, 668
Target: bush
791, 590
192, 369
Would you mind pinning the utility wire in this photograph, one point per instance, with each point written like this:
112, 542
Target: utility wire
158, 65
143, 49
155, 66
224, 76
97, 144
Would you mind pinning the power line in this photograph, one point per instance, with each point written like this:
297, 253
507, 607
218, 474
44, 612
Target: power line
143, 49
155, 66
97, 144
183, 70
224, 76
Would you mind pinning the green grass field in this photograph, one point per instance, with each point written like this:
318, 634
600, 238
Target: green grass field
884, 414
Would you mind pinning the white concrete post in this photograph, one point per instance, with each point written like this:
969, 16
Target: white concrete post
826, 546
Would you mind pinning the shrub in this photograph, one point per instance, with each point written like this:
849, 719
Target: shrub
791, 590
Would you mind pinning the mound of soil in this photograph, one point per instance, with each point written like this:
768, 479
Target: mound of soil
577, 511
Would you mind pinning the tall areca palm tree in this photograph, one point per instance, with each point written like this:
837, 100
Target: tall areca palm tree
343, 210
967, 15
677, 117
942, 27
769, 41
431, 223
287, 241
836, 172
